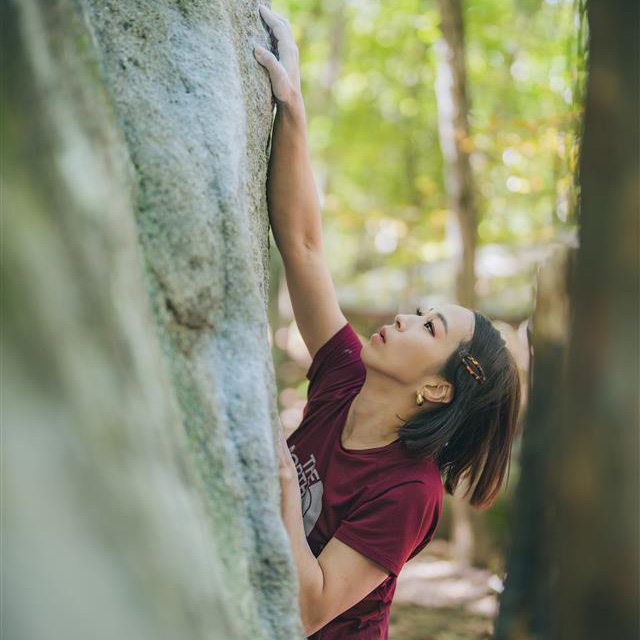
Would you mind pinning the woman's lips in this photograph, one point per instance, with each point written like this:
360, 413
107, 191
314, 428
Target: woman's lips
376, 337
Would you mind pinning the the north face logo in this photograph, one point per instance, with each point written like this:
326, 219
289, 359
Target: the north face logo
311, 490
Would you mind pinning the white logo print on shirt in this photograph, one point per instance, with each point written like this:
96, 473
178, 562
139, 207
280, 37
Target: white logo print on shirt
311, 490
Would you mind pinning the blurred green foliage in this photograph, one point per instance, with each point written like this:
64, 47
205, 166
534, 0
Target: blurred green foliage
368, 81
368, 74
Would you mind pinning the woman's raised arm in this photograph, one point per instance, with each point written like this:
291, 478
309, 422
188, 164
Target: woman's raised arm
294, 206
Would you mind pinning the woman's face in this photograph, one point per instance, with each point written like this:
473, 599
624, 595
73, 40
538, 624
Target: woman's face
415, 347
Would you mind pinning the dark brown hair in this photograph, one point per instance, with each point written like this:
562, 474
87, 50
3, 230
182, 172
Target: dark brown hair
473, 433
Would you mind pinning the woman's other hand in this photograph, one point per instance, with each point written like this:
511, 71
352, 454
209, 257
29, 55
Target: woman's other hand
284, 73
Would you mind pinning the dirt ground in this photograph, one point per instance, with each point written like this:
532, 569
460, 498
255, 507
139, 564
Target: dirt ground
435, 601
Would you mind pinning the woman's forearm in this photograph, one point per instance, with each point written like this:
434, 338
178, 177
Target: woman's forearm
294, 206
310, 577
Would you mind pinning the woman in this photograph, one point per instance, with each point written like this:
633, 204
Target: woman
428, 399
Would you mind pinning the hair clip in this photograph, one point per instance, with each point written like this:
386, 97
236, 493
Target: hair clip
473, 367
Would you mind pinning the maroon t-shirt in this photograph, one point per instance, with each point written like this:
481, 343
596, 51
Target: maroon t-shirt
378, 501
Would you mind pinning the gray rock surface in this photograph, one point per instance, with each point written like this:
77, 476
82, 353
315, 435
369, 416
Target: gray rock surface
140, 496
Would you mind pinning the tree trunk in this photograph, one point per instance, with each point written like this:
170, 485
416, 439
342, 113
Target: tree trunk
524, 605
596, 466
455, 143
453, 128
573, 569
140, 486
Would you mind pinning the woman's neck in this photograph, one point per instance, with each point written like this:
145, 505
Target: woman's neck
372, 420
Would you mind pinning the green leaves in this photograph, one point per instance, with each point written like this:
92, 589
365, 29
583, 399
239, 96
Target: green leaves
368, 72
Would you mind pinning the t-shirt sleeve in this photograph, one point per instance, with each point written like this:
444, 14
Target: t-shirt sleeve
388, 528
336, 365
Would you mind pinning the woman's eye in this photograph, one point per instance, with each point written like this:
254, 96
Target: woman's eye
430, 323
419, 312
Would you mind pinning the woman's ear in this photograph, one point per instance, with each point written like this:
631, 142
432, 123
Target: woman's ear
441, 391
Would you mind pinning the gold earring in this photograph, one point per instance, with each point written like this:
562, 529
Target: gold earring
419, 398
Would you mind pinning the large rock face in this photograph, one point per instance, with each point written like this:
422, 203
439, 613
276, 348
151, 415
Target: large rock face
140, 492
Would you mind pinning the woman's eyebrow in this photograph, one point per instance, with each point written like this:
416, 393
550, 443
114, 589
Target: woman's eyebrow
443, 320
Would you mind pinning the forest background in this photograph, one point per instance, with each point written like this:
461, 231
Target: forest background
375, 91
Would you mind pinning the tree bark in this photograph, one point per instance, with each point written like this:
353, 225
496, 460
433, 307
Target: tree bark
596, 533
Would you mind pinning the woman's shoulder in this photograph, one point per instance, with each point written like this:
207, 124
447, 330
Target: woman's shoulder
423, 475
344, 342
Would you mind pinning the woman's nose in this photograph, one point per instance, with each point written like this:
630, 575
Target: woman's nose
399, 323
